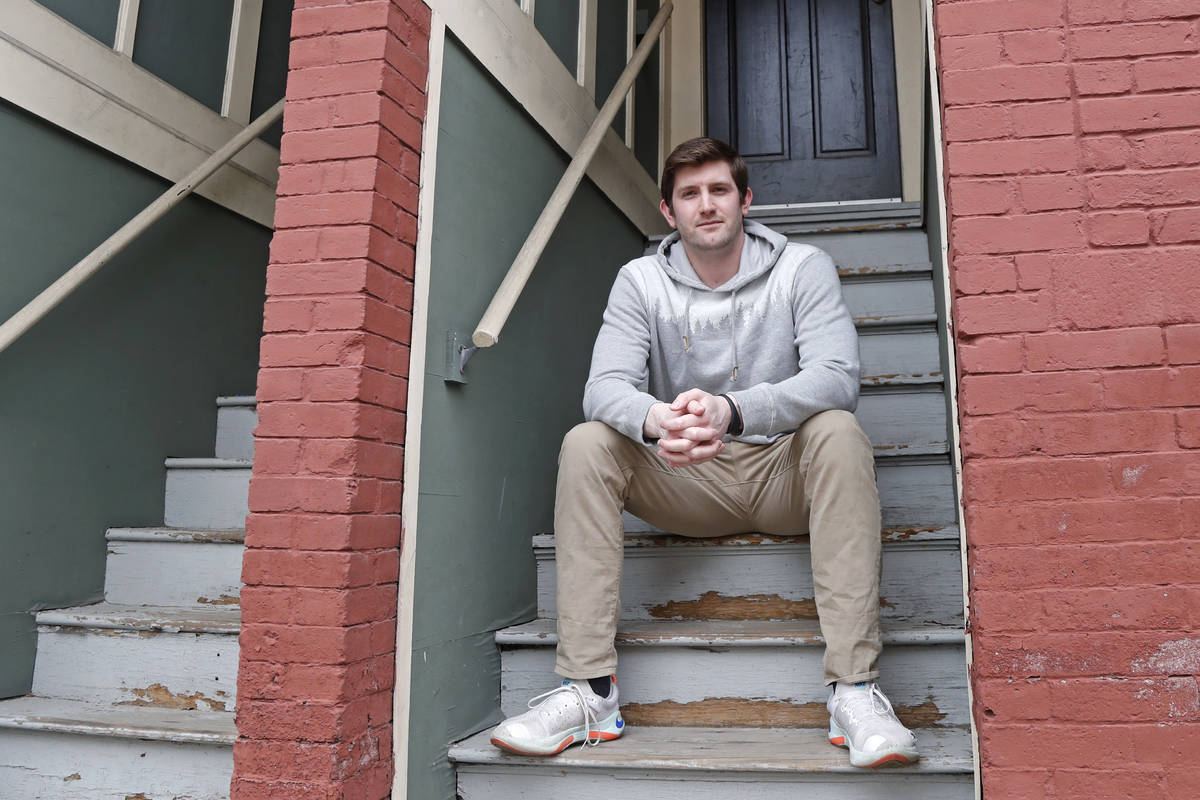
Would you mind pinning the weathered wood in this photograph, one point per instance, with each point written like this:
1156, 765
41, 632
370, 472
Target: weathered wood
905, 421
207, 493
771, 580
139, 656
894, 301
650, 763
897, 357
664, 662
170, 570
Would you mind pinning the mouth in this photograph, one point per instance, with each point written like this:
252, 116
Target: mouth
709, 224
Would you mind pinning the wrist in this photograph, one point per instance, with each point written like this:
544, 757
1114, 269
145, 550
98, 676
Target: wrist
736, 423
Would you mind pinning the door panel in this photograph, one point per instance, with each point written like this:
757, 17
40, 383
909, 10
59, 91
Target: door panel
806, 91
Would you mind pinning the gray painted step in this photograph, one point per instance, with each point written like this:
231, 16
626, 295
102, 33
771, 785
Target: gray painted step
651, 763
897, 300
236, 418
898, 356
173, 567
739, 577
906, 420
207, 493
52, 749
720, 673
180, 658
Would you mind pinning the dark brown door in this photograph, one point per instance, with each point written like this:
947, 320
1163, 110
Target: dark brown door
806, 92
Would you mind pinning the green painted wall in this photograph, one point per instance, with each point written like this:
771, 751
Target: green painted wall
120, 376
489, 448
186, 44
97, 18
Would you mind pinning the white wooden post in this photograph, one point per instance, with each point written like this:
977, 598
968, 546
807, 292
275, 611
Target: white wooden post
242, 58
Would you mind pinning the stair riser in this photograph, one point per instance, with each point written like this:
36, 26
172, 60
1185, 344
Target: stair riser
144, 668
904, 423
898, 357
207, 498
877, 302
920, 584
235, 432
36, 765
173, 573
927, 683
518, 783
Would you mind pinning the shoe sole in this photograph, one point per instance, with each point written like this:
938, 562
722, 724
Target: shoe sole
606, 730
900, 757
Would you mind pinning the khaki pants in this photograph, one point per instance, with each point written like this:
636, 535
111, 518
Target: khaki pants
818, 480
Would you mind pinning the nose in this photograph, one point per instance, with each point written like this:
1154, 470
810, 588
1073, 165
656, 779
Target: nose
706, 200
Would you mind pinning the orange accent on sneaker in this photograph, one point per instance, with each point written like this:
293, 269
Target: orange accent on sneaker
604, 736
570, 740
891, 758
840, 741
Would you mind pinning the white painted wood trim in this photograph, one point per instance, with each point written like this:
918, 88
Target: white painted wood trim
585, 64
527, 7
243, 55
630, 44
685, 76
418, 356
910, 93
951, 377
127, 17
58, 73
505, 41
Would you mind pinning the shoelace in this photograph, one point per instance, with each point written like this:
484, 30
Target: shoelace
879, 704
574, 690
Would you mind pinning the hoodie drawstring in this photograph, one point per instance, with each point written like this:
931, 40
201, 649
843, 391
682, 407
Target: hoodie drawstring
733, 376
687, 322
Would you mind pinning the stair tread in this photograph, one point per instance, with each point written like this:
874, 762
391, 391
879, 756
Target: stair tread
236, 400
770, 750
113, 616
207, 462
177, 535
130, 722
728, 633
660, 540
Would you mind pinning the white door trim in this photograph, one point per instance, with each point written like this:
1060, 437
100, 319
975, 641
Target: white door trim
418, 349
56, 72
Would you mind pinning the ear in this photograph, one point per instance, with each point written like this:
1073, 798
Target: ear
666, 212
746, 203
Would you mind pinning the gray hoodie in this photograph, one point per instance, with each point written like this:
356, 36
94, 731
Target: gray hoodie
777, 337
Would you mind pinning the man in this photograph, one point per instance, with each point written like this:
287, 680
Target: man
720, 398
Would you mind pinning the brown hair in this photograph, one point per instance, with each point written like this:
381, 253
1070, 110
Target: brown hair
702, 150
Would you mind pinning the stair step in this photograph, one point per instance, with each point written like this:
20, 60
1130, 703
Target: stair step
173, 566
889, 300
762, 577
236, 418
904, 420
916, 491
161, 657
899, 356
700, 763
741, 674
54, 748
207, 492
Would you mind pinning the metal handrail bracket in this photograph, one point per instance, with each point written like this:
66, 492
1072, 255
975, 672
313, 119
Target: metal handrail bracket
487, 332
73, 278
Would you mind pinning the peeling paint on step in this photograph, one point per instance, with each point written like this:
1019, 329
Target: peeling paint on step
740, 712
713, 605
74, 776
159, 696
223, 600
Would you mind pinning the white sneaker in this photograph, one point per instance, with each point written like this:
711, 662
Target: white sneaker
567, 714
861, 718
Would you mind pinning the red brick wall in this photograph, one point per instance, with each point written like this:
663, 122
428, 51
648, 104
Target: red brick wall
319, 604
1072, 144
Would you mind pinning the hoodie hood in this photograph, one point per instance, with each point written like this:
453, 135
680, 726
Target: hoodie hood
761, 249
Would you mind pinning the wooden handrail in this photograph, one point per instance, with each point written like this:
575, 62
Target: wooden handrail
487, 332
58, 291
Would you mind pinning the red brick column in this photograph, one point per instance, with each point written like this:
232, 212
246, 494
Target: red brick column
317, 668
1072, 143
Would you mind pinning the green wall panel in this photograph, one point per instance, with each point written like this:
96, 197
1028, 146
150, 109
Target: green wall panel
96, 18
558, 22
611, 32
121, 375
270, 74
645, 95
490, 447
186, 44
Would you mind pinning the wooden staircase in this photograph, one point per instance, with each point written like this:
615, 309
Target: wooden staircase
720, 652
134, 697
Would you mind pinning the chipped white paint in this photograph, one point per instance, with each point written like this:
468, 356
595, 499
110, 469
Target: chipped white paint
920, 581
659, 665
207, 492
139, 656
57, 766
236, 418
173, 569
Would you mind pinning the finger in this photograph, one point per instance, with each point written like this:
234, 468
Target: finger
682, 422
706, 450
686, 397
675, 445
699, 434
696, 407
675, 459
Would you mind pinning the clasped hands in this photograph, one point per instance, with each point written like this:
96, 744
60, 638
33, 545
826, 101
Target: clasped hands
690, 428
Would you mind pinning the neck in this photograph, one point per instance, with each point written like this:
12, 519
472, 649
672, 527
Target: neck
715, 267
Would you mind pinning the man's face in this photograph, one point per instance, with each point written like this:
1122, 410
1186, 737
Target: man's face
705, 207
